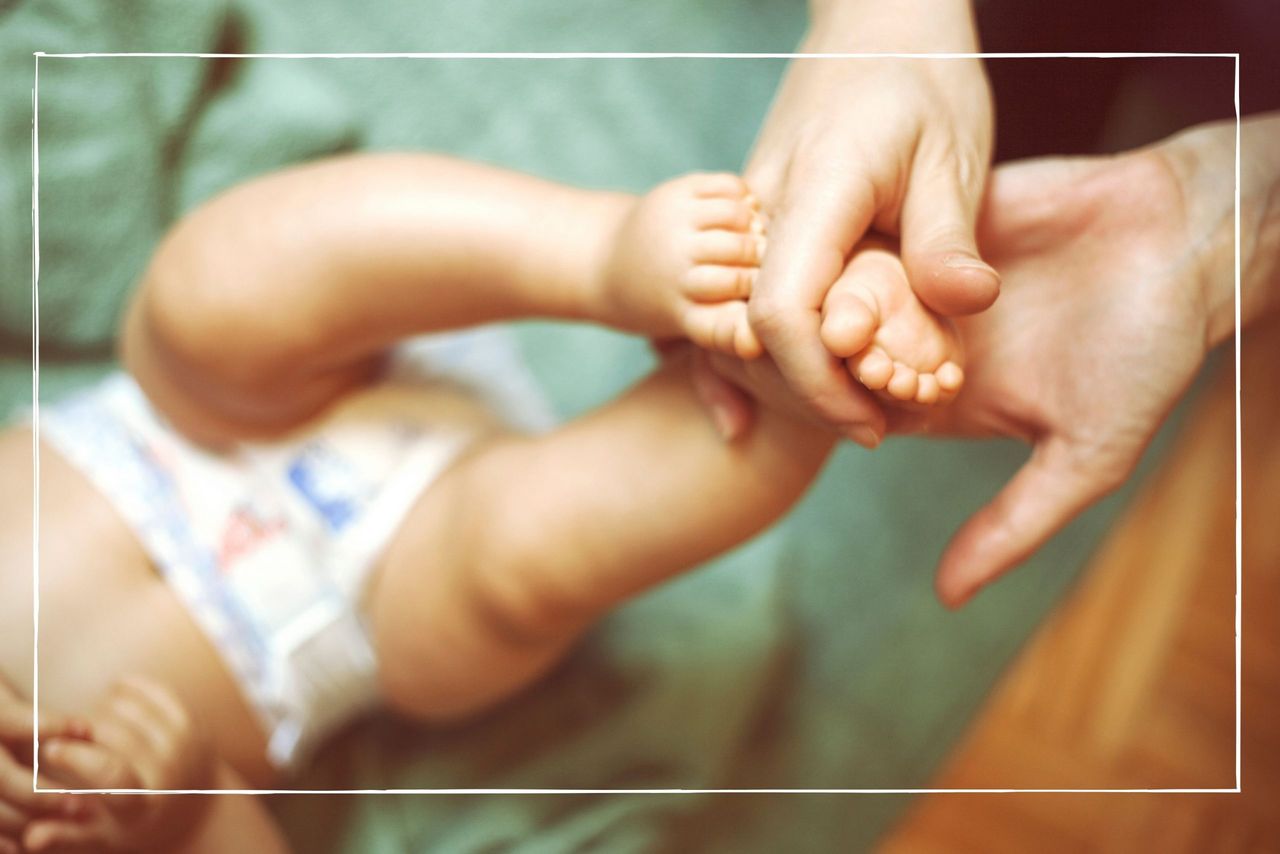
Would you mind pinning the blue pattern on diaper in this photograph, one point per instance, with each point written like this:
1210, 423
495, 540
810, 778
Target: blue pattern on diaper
328, 483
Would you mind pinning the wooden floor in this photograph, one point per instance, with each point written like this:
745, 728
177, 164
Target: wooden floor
1131, 683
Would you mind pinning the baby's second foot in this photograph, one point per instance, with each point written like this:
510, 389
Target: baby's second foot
891, 342
685, 259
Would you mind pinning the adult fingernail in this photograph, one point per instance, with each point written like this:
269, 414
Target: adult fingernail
968, 262
77, 729
864, 436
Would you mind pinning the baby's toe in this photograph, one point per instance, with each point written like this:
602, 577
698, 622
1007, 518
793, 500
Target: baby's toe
718, 185
950, 377
718, 282
873, 368
719, 246
927, 391
722, 327
730, 214
850, 317
904, 382
745, 343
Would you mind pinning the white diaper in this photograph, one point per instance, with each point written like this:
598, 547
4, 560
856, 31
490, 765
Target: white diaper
270, 545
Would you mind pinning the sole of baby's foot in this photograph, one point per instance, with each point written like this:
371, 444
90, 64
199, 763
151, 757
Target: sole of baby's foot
890, 341
722, 245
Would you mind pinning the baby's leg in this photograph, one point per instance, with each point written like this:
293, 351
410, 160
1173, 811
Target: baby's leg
520, 547
234, 823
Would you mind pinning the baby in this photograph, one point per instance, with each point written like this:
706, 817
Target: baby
295, 507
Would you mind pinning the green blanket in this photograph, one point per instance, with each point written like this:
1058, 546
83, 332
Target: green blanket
815, 656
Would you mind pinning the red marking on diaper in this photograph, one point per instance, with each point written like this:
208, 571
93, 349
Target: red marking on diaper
243, 533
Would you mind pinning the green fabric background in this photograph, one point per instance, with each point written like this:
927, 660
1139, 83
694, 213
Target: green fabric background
815, 656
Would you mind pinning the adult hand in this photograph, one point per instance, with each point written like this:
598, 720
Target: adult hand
144, 738
18, 803
1117, 280
898, 145
1101, 326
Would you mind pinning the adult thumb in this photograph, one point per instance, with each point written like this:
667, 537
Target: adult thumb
938, 245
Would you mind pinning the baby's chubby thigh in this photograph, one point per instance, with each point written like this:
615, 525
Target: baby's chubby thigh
104, 611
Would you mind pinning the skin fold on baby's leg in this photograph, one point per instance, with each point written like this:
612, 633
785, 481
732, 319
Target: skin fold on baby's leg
522, 546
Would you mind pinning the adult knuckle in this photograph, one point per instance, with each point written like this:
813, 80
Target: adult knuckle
724, 334
166, 744
830, 405
770, 315
1101, 466
970, 168
117, 773
182, 721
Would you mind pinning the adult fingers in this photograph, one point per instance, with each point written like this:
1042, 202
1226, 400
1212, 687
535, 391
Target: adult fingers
820, 381
17, 722
12, 819
15, 784
1047, 492
16, 792
731, 410
937, 238
142, 719
825, 211
15, 716
163, 703
763, 383
64, 837
86, 765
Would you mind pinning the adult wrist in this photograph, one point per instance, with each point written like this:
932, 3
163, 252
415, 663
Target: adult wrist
1203, 159
891, 26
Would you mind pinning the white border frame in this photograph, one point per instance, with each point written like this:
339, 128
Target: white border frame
35, 403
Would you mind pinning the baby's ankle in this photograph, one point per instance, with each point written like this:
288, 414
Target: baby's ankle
601, 298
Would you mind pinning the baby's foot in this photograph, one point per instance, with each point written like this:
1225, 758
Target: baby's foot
685, 259
891, 342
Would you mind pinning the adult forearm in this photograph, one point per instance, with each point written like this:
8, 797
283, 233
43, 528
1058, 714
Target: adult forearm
880, 26
1260, 218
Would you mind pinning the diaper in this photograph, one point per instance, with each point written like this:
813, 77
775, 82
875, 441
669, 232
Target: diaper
270, 544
